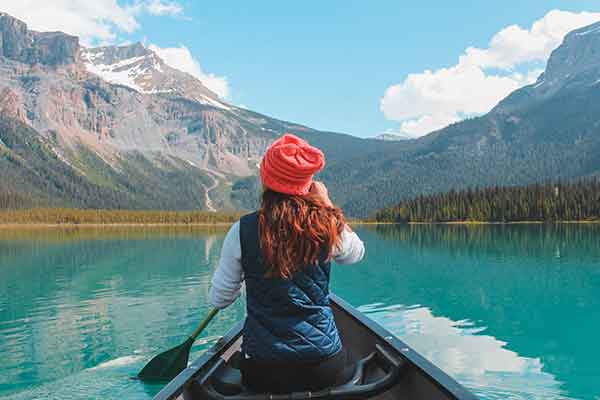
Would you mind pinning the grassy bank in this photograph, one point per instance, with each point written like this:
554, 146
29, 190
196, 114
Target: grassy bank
53, 217
70, 216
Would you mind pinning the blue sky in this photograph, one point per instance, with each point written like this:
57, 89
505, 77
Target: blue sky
328, 64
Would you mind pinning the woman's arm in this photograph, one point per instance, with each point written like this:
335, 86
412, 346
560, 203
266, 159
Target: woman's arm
351, 249
228, 277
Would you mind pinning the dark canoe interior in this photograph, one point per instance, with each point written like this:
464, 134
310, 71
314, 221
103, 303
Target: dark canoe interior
417, 377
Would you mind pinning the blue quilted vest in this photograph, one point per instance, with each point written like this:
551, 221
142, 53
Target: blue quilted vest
288, 320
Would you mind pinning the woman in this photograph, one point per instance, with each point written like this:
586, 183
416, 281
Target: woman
283, 252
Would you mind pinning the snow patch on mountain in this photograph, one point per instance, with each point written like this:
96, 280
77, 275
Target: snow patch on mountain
595, 29
142, 70
124, 73
538, 84
208, 101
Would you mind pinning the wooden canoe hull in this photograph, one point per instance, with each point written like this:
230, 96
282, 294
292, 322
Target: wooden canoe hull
420, 380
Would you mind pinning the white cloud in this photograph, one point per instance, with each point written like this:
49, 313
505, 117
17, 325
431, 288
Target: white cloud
95, 22
430, 100
92, 21
415, 128
446, 92
101, 22
514, 45
182, 59
158, 7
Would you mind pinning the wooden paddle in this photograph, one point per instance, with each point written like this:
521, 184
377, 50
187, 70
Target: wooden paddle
169, 364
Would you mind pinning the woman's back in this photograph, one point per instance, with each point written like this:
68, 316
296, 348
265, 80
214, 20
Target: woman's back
289, 319
283, 252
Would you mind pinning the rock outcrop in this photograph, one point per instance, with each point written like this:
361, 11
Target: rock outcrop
574, 65
50, 48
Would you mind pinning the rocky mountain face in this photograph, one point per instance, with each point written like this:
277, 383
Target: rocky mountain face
575, 65
578, 57
111, 113
49, 48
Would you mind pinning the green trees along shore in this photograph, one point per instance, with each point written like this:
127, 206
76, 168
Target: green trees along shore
577, 201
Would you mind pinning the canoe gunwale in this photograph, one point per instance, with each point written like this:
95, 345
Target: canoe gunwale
438, 377
432, 373
175, 387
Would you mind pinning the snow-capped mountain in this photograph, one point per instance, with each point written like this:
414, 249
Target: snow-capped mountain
140, 68
116, 126
118, 120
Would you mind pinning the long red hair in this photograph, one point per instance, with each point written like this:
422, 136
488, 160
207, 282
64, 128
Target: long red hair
296, 232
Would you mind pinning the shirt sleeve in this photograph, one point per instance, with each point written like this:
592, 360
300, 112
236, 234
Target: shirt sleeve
350, 250
227, 280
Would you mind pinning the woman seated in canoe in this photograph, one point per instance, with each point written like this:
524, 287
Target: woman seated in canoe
283, 253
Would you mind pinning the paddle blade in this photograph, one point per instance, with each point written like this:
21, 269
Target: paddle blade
167, 365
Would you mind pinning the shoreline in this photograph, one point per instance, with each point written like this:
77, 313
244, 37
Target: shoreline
502, 223
43, 225
479, 223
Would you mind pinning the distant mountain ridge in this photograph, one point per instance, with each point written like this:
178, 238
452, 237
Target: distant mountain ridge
116, 127
546, 131
390, 137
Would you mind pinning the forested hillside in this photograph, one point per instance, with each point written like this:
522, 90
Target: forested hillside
578, 201
554, 139
34, 176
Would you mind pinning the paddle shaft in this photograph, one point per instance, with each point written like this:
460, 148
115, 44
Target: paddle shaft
203, 324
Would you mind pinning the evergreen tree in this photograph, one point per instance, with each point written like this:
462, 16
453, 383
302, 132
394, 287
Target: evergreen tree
575, 201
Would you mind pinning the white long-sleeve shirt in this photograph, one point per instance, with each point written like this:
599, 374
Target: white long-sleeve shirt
227, 280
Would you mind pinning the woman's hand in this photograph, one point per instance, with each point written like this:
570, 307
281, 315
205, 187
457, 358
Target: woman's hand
319, 190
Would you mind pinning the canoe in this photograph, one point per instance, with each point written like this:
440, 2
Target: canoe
384, 368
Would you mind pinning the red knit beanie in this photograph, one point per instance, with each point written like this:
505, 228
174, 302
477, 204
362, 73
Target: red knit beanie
289, 165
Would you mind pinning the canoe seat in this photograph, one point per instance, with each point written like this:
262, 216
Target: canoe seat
373, 375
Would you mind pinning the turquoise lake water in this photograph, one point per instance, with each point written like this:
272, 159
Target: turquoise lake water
512, 312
